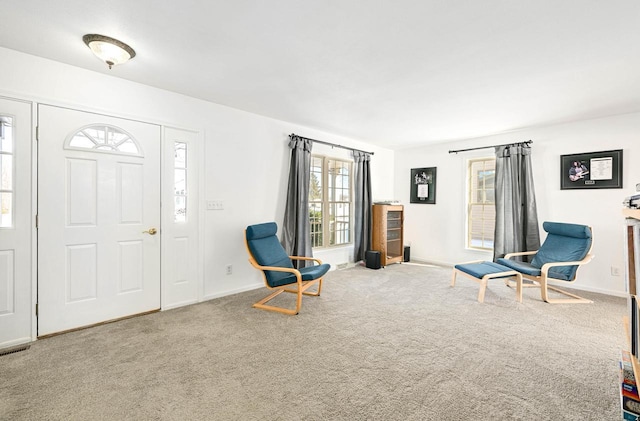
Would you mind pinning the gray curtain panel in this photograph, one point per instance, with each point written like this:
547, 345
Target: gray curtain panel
516, 212
362, 205
296, 231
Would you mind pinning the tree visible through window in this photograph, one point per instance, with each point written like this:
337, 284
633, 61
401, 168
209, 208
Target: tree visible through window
330, 201
481, 211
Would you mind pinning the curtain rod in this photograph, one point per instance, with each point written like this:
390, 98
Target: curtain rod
494, 146
330, 144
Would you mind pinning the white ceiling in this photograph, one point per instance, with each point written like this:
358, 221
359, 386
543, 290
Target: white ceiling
396, 73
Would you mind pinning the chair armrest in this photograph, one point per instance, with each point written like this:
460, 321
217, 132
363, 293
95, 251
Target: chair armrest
544, 270
277, 269
586, 259
318, 261
521, 253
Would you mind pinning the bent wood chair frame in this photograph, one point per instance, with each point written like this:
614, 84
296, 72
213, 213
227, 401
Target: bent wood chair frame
544, 278
301, 286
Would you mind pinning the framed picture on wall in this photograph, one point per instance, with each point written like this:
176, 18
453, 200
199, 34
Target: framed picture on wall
423, 185
591, 170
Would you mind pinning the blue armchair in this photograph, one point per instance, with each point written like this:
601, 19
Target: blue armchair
267, 255
566, 248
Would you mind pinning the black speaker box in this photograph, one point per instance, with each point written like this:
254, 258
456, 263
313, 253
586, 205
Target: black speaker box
407, 253
372, 259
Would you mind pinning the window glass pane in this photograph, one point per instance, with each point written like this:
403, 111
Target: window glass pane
128, 146
104, 139
489, 212
330, 201
115, 137
481, 213
6, 172
180, 181
6, 210
181, 155
315, 179
315, 218
180, 177
489, 179
80, 140
340, 221
6, 134
180, 214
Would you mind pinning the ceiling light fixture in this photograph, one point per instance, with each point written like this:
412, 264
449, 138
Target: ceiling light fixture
108, 49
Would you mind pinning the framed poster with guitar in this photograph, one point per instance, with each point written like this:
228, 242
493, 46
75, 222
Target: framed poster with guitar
591, 170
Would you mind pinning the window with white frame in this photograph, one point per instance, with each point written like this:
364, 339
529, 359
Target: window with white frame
104, 138
330, 201
481, 210
180, 182
7, 180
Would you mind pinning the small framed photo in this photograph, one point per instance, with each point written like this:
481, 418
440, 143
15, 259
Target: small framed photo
423, 185
591, 170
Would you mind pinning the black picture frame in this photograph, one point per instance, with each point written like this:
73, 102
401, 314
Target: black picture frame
423, 185
591, 170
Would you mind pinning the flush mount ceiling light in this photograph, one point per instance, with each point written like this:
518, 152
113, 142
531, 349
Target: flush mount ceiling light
108, 49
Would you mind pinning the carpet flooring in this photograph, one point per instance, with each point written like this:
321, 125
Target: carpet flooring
391, 344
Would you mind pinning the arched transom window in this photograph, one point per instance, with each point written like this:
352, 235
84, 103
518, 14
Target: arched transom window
104, 138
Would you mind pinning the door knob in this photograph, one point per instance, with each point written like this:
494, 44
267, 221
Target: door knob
151, 231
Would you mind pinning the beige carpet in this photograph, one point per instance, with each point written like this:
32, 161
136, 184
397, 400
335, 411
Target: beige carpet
392, 344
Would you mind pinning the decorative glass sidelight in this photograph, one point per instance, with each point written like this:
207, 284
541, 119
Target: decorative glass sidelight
7, 177
104, 138
180, 182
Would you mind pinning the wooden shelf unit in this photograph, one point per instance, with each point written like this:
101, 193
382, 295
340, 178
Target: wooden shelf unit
387, 236
631, 266
630, 248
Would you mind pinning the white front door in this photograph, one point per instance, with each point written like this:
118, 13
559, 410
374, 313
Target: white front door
16, 307
99, 218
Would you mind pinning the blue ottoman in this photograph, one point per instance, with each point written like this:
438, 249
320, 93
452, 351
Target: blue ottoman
481, 272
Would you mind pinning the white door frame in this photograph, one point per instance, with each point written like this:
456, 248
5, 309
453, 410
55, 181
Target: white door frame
35, 101
99, 265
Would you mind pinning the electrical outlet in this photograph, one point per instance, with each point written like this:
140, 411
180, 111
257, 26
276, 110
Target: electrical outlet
215, 205
229, 269
615, 271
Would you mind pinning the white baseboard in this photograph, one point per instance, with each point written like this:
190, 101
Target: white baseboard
178, 304
579, 287
233, 291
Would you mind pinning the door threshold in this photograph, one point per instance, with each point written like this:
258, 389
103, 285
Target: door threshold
75, 329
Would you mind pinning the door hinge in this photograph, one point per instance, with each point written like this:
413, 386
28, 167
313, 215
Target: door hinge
37, 133
36, 221
36, 309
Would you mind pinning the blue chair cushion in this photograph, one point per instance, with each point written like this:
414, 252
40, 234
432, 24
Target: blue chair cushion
564, 243
308, 273
480, 269
255, 232
267, 250
522, 267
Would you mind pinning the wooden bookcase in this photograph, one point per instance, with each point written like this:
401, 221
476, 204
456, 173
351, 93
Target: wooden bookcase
632, 215
387, 235
632, 321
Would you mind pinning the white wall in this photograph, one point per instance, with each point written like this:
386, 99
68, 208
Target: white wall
246, 158
436, 232
246, 164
